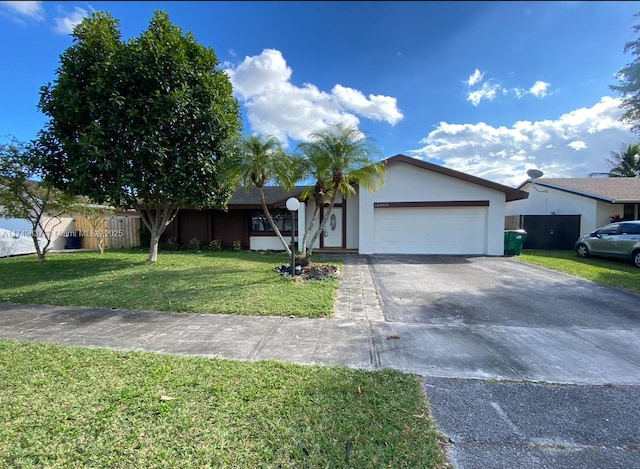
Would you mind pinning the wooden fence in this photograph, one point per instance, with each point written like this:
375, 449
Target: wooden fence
120, 232
512, 222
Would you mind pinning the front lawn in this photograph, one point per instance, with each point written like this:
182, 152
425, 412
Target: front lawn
71, 407
616, 273
221, 282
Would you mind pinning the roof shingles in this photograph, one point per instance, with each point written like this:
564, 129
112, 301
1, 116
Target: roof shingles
612, 190
275, 196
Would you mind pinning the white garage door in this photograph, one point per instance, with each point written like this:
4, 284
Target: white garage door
441, 230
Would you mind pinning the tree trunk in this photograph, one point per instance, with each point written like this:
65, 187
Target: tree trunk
40, 252
324, 222
309, 231
272, 223
156, 219
153, 246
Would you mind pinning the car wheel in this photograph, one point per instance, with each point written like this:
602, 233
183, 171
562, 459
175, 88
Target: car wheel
582, 250
636, 258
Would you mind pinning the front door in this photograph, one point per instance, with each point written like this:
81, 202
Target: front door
332, 236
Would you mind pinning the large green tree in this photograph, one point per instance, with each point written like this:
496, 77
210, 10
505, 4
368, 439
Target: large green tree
626, 162
338, 158
24, 195
628, 86
259, 161
140, 123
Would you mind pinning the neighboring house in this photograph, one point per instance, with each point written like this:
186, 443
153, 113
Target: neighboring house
560, 210
422, 208
122, 229
15, 237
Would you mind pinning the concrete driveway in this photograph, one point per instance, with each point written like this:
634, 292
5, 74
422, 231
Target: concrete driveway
456, 318
483, 317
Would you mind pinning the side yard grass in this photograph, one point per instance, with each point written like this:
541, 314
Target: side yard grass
72, 407
222, 282
611, 272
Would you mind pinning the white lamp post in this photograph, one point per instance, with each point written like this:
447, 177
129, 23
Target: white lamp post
292, 205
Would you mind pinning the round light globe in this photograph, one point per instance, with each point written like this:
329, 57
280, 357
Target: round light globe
292, 204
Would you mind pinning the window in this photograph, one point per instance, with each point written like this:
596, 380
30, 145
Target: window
281, 217
629, 212
609, 229
630, 228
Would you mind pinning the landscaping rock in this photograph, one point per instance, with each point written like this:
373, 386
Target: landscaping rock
311, 271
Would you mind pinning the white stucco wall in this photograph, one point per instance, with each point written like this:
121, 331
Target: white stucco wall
58, 232
353, 211
407, 183
604, 212
268, 243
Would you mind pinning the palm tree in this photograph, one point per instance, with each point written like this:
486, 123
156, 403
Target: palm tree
259, 160
337, 157
626, 162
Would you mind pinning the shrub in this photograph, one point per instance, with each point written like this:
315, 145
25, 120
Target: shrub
237, 245
172, 244
215, 245
194, 244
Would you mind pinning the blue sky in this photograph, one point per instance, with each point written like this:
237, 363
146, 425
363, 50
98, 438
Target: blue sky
488, 88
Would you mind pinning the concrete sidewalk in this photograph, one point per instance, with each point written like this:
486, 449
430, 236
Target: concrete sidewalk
306, 341
506, 353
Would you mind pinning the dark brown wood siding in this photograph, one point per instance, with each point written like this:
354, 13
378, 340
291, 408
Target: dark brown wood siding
207, 225
193, 224
230, 226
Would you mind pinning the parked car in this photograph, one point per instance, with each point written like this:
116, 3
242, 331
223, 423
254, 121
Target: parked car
621, 240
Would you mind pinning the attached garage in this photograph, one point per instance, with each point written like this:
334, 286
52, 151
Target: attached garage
430, 230
424, 208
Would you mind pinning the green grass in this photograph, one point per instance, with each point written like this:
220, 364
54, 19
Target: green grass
611, 272
68, 407
223, 282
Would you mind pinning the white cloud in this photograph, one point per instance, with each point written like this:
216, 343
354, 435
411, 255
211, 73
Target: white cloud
539, 89
490, 89
65, 24
277, 107
259, 74
475, 78
376, 107
487, 91
28, 10
577, 145
573, 145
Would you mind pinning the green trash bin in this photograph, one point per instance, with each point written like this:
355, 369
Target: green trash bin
513, 241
